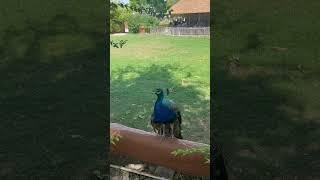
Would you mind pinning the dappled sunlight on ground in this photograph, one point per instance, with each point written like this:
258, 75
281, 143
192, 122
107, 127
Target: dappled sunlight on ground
163, 62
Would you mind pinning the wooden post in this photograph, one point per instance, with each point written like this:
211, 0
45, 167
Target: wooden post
141, 29
126, 29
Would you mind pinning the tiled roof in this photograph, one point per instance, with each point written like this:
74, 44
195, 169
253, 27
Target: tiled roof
191, 6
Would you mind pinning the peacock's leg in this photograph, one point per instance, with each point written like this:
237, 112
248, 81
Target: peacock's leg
153, 126
162, 132
162, 129
172, 130
157, 128
154, 130
167, 130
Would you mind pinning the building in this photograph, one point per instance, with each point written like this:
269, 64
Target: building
191, 13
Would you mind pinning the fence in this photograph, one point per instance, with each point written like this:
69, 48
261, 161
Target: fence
181, 31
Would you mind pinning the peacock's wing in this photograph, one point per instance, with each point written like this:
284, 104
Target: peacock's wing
167, 111
177, 123
156, 126
170, 104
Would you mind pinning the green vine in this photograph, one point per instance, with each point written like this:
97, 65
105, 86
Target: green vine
205, 150
114, 137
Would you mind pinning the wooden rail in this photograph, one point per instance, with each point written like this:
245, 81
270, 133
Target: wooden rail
155, 149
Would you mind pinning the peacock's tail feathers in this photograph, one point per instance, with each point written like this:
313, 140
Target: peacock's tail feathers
179, 117
177, 129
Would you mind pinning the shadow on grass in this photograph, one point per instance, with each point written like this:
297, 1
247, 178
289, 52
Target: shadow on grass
52, 100
262, 127
132, 99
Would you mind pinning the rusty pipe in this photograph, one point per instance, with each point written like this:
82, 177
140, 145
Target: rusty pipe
152, 148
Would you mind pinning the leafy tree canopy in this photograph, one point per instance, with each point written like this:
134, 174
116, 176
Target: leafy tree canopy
156, 8
171, 3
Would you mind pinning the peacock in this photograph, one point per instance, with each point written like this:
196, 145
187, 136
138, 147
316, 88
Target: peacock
166, 117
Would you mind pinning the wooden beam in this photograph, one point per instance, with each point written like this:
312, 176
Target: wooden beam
155, 149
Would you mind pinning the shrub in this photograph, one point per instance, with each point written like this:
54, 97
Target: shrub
114, 27
136, 20
118, 15
114, 137
165, 22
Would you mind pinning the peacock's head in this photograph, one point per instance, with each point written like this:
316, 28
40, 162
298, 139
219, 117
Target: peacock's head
158, 92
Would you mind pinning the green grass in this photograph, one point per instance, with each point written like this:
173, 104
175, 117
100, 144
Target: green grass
267, 110
147, 62
52, 95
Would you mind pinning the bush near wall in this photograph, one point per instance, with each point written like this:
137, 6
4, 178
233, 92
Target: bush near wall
118, 15
165, 22
114, 27
136, 20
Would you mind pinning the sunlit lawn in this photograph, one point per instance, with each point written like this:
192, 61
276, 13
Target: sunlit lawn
147, 62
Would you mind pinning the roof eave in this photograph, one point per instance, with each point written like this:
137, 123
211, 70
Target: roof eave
189, 13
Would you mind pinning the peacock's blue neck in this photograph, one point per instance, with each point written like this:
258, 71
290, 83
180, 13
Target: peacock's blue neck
162, 110
160, 98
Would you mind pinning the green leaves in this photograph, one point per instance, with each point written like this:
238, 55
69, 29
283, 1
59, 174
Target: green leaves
141, 19
205, 150
170, 3
114, 137
155, 8
119, 13
118, 44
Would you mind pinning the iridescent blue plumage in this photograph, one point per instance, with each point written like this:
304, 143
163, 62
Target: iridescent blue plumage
166, 113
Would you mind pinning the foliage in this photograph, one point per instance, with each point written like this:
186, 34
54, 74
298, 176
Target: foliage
114, 137
171, 3
119, 13
205, 150
114, 27
155, 8
165, 22
118, 44
158, 8
124, 13
141, 19
113, 11
136, 5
